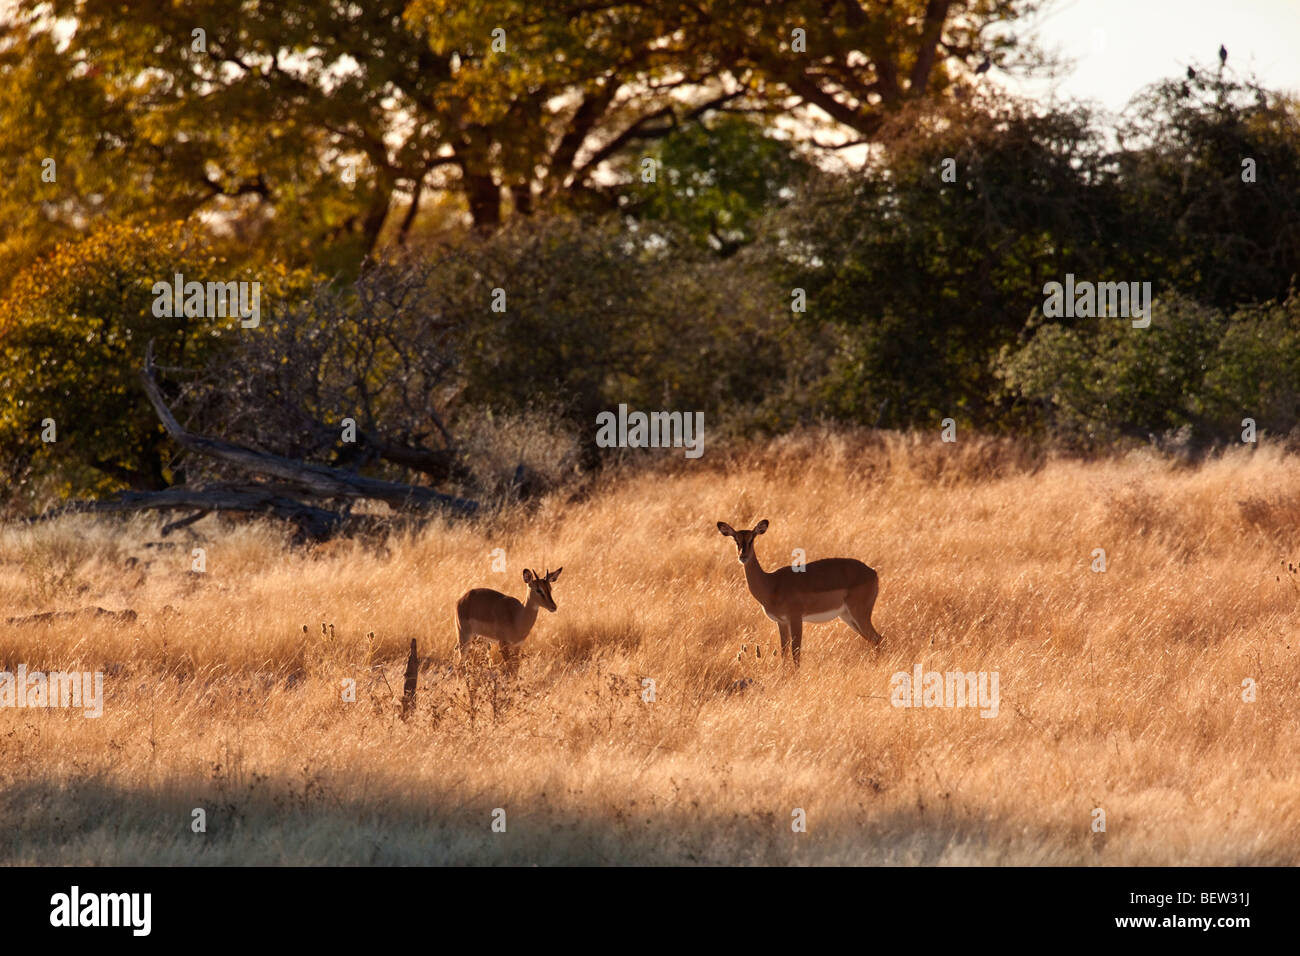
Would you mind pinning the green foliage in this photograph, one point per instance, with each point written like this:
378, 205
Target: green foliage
1197, 221
73, 331
252, 123
1102, 378
1193, 368
1256, 371
598, 313
924, 279
715, 179
255, 120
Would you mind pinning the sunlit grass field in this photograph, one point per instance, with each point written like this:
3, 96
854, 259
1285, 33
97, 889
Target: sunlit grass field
1120, 690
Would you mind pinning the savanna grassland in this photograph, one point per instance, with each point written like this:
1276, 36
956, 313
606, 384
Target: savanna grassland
1120, 690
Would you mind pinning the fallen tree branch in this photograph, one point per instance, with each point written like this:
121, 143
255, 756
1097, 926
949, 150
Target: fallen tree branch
438, 465
313, 522
282, 497
183, 522
319, 480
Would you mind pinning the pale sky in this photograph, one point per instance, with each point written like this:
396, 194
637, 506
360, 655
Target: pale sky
1119, 46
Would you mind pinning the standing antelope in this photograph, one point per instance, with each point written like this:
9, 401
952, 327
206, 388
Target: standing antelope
823, 590
483, 612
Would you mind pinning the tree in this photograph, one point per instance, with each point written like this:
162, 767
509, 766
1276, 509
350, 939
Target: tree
716, 178
303, 126
74, 327
543, 96
259, 114
936, 257
357, 375
1211, 169
863, 62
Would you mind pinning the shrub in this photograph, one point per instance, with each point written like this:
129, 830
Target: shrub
73, 331
1193, 369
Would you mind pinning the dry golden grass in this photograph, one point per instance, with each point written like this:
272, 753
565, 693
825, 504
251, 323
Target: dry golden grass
1120, 690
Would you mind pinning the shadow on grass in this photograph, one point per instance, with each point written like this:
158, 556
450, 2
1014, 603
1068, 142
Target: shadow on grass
303, 823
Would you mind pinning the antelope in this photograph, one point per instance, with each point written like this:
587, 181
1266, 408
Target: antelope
823, 590
483, 612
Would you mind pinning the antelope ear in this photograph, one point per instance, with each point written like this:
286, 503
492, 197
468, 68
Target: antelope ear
528, 576
760, 527
726, 529
554, 575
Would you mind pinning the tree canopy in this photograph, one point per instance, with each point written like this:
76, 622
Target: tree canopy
316, 128
468, 214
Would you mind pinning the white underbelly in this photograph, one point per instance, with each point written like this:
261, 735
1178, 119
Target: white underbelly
818, 618
824, 616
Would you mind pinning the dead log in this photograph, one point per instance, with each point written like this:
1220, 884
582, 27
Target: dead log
318, 480
313, 523
282, 497
183, 522
437, 464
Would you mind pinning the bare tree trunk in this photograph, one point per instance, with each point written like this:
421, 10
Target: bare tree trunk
484, 196
522, 194
313, 523
409, 219
377, 212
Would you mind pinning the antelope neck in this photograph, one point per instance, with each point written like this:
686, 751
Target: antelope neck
529, 614
758, 580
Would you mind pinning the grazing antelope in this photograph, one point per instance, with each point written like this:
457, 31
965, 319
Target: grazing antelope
482, 612
823, 590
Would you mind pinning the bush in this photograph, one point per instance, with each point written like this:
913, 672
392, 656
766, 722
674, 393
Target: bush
1192, 369
922, 277
599, 312
594, 312
73, 332
1256, 370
